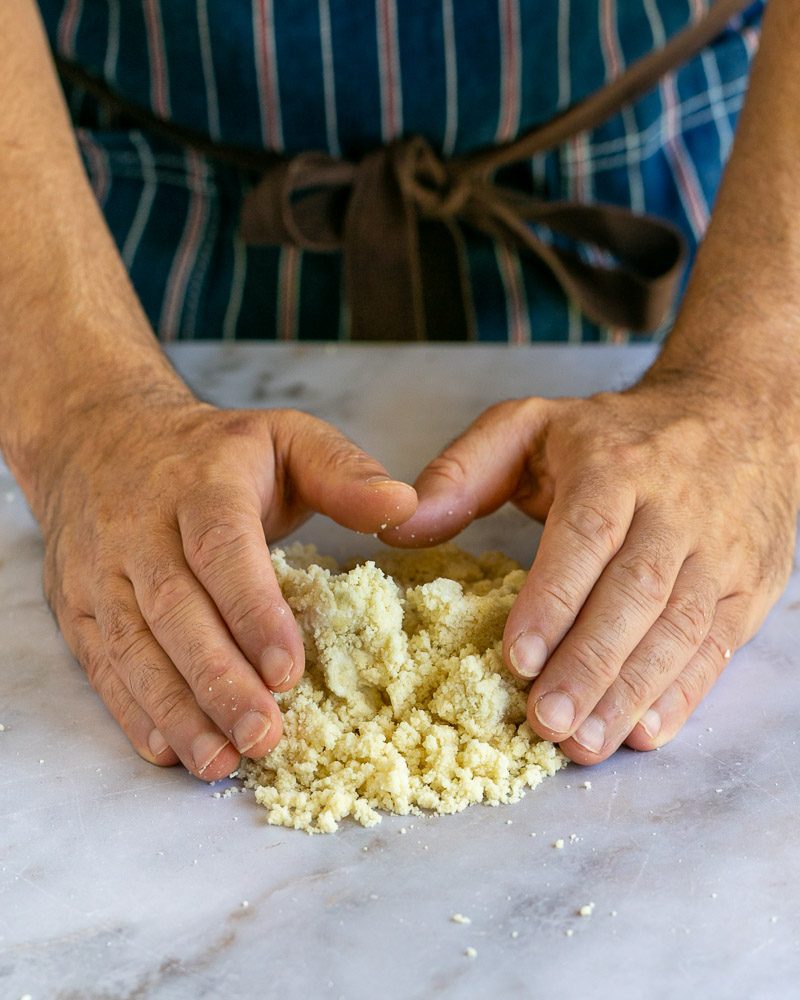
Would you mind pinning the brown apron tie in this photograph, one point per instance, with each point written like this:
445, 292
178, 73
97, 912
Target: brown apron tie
397, 214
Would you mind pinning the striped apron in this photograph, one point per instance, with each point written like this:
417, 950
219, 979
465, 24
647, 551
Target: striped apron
346, 76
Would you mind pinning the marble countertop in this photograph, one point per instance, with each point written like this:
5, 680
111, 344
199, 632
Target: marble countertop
119, 880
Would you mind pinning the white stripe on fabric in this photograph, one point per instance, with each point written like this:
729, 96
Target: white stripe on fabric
236, 294
510, 71
112, 44
68, 27
713, 88
267, 73
388, 44
288, 292
613, 59
656, 24
146, 199
159, 83
450, 78
517, 316
188, 249
611, 155
209, 78
564, 56
329, 78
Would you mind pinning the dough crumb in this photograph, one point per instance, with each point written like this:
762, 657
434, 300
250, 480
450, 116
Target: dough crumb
515, 934
569, 932
559, 844
459, 918
586, 910
405, 704
2, 728
587, 785
470, 952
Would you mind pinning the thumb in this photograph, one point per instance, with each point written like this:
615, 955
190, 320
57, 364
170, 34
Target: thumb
474, 475
330, 474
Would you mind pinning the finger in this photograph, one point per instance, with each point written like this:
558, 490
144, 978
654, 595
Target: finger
474, 475
332, 475
158, 688
625, 602
224, 545
657, 662
587, 524
85, 640
188, 628
734, 623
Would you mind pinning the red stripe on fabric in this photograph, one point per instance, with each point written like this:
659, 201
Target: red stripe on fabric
98, 166
389, 76
68, 27
155, 46
191, 242
517, 322
691, 194
509, 73
266, 92
609, 38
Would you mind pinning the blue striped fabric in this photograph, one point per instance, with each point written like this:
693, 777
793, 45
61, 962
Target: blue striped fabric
348, 75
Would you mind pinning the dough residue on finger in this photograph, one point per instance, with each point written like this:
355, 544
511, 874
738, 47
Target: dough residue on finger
405, 704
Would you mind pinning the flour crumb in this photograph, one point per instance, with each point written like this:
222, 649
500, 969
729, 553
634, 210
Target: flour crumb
559, 844
2, 728
515, 934
459, 918
471, 952
569, 932
586, 910
405, 704
587, 785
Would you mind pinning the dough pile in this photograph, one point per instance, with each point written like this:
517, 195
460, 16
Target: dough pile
405, 703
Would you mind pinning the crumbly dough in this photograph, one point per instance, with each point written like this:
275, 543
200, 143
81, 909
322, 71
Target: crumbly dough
405, 704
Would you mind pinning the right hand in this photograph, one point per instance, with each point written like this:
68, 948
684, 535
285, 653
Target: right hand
155, 517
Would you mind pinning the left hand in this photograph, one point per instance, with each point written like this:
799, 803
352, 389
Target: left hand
669, 533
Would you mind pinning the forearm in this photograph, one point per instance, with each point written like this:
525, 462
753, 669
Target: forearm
72, 333
739, 326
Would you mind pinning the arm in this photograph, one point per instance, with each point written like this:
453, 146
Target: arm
670, 508
153, 505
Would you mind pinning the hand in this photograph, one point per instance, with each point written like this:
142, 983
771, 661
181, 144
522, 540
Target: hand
157, 568
669, 532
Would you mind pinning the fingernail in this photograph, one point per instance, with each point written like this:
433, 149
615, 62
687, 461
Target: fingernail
651, 723
249, 730
206, 748
528, 654
157, 743
276, 665
381, 481
556, 711
592, 734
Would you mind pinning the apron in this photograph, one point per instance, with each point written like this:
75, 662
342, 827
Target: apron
347, 76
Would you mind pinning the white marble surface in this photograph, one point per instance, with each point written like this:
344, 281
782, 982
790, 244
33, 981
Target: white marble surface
118, 880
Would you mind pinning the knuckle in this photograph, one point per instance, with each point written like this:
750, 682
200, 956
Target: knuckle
169, 708
593, 527
165, 597
643, 575
206, 545
636, 683
563, 594
125, 637
215, 681
688, 619
448, 466
596, 660
145, 682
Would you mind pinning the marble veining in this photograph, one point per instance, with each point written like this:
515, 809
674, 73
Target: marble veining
118, 880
